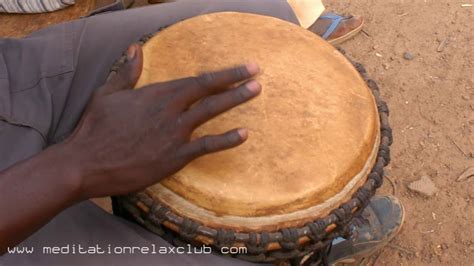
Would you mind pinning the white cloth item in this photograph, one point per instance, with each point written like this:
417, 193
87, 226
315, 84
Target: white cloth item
307, 11
33, 6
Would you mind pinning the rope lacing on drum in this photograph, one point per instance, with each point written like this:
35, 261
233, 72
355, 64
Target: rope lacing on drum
385, 149
378, 180
384, 153
343, 214
189, 228
157, 213
224, 238
361, 69
255, 245
290, 238
388, 132
363, 194
317, 230
373, 85
383, 107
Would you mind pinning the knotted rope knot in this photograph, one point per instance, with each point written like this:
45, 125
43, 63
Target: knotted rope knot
290, 238
343, 215
360, 68
378, 180
157, 213
189, 228
224, 238
383, 107
373, 85
363, 194
384, 153
258, 246
317, 230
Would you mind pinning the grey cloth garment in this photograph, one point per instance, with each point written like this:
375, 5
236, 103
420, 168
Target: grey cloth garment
33, 6
46, 80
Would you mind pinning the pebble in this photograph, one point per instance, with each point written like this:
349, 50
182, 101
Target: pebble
442, 45
468, 173
424, 186
408, 56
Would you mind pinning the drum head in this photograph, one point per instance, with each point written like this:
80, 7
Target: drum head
313, 131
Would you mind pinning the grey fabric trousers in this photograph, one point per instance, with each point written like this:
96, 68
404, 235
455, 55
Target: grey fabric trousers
46, 79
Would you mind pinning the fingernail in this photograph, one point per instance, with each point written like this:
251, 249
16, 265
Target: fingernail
253, 86
252, 68
243, 133
131, 51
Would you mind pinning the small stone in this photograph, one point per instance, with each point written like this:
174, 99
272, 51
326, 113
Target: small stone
408, 56
466, 97
442, 45
468, 173
423, 186
386, 66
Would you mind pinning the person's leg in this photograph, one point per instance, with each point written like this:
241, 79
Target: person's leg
48, 78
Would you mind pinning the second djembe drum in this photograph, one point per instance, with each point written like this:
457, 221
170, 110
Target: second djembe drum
318, 141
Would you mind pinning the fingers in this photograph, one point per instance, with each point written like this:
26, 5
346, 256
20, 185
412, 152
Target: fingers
213, 82
127, 76
210, 144
214, 105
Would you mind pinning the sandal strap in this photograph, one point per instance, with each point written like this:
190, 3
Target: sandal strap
336, 20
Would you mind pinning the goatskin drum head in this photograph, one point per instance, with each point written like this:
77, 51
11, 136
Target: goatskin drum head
313, 131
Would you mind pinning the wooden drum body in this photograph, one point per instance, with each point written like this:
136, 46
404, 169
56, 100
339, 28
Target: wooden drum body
318, 141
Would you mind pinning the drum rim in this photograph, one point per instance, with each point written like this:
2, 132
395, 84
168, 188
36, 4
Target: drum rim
283, 243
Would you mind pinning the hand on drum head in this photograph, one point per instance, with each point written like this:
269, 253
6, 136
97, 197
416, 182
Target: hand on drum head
129, 139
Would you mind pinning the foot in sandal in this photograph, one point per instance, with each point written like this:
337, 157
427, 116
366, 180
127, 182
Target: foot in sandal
336, 28
384, 217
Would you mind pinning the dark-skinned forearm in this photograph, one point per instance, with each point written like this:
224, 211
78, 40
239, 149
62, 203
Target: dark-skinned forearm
33, 191
116, 150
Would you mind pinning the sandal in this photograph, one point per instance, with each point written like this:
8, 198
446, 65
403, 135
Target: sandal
341, 29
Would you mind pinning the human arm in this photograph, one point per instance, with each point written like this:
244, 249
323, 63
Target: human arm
126, 140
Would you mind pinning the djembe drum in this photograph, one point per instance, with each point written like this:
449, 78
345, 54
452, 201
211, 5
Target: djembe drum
318, 141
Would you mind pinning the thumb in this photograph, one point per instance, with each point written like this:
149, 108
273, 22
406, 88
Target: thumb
127, 75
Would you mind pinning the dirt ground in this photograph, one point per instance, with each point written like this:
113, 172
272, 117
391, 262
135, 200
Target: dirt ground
431, 99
